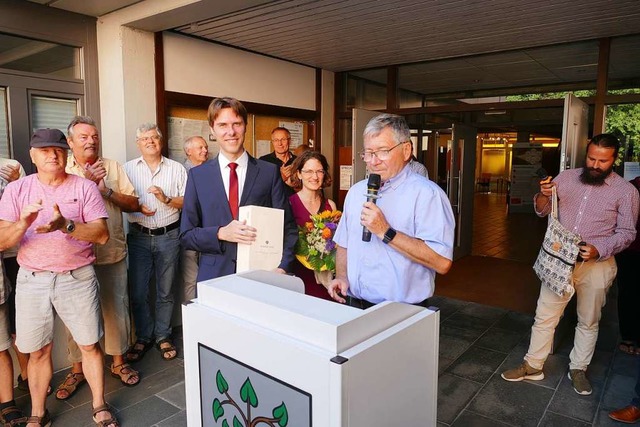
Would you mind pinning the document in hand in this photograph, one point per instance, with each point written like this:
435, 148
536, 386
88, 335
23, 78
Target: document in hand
266, 252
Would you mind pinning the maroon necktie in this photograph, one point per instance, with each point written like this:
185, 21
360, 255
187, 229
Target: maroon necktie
233, 190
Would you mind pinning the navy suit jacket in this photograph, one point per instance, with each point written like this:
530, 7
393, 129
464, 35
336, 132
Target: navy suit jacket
206, 209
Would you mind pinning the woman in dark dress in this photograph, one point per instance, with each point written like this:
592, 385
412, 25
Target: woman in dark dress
310, 175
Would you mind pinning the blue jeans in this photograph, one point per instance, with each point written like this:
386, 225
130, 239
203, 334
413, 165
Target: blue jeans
151, 256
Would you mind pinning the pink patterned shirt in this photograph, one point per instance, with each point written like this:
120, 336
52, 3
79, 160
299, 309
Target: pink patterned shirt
605, 216
77, 198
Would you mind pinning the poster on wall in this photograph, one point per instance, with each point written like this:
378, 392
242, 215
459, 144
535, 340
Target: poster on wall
526, 160
297, 133
180, 129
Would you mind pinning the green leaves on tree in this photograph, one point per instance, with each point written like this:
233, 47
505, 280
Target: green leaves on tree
248, 394
236, 422
222, 384
218, 410
225, 423
281, 415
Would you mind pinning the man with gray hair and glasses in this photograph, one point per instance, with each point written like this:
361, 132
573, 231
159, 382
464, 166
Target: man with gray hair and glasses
412, 226
154, 246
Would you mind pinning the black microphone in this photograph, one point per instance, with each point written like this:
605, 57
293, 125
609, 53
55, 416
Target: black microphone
543, 175
373, 185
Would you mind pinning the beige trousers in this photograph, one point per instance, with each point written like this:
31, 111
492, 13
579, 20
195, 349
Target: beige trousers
591, 281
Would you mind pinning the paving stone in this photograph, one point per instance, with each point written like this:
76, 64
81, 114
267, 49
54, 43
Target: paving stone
520, 404
485, 312
175, 395
447, 306
498, 339
551, 419
513, 321
147, 412
177, 420
477, 364
470, 323
453, 395
569, 403
453, 347
471, 419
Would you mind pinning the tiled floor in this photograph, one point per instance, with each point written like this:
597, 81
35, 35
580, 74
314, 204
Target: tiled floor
477, 342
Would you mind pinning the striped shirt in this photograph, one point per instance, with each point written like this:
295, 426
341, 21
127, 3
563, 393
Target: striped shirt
170, 176
603, 215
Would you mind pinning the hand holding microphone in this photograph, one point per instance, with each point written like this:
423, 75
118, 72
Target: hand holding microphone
373, 185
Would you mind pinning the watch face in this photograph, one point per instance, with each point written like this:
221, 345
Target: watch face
71, 226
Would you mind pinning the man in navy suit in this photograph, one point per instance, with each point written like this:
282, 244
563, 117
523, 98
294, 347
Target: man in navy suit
219, 186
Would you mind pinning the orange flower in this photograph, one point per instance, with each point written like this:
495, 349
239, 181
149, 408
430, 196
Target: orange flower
308, 225
326, 233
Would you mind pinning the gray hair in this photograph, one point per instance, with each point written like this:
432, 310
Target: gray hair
189, 142
397, 124
80, 120
146, 127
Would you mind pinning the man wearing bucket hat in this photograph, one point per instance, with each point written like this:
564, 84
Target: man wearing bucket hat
56, 218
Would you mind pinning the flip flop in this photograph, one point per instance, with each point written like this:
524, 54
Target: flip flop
70, 385
124, 373
628, 347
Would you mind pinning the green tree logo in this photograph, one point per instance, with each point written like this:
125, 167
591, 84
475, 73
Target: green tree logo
280, 417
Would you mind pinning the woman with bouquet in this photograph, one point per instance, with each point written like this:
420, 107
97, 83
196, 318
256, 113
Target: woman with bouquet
310, 175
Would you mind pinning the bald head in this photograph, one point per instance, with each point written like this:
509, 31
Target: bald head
196, 149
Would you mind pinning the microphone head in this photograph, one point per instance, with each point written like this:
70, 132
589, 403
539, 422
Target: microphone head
542, 173
374, 182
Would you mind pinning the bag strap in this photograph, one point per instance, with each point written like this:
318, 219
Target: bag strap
554, 203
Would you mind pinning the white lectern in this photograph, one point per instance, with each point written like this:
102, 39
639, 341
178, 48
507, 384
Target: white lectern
259, 355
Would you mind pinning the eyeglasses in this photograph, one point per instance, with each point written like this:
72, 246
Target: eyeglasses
381, 155
309, 173
280, 140
149, 138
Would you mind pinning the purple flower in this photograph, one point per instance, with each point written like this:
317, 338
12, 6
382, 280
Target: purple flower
331, 225
330, 245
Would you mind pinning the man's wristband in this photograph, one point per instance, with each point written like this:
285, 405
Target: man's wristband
169, 199
108, 194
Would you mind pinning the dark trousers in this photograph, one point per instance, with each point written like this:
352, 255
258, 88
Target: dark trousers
628, 295
364, 304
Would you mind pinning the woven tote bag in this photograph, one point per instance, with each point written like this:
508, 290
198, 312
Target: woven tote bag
558, 254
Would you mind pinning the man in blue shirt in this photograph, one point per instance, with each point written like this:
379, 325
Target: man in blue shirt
412, 226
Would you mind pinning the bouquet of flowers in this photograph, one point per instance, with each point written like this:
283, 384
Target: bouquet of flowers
316, 249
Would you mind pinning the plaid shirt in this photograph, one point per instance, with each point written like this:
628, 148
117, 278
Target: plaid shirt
604, 215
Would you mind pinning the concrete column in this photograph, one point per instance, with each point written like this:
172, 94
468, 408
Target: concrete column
127, 86
327, 145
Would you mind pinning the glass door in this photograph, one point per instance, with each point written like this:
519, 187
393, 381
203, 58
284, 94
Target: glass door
455, 165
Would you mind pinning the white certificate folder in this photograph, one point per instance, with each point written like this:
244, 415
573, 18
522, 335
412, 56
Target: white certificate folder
266, 252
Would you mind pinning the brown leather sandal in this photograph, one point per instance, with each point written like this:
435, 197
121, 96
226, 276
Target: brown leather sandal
11, 416
70, 385
124, 373
165, 351
43, 421
111, 422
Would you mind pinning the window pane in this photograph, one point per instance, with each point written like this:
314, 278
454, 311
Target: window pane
54, 113
21, 54
4, 131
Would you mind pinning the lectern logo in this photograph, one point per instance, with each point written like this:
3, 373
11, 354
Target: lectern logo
248, 395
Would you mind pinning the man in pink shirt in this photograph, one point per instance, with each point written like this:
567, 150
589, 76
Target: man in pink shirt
56, 218
601, 207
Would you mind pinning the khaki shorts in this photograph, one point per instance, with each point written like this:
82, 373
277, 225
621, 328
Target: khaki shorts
75, 297
5, 336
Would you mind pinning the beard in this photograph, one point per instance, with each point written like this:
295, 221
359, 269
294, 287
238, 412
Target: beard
594, 176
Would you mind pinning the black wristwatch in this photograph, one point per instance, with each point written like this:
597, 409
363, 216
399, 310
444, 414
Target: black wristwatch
389, 235
70, 227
